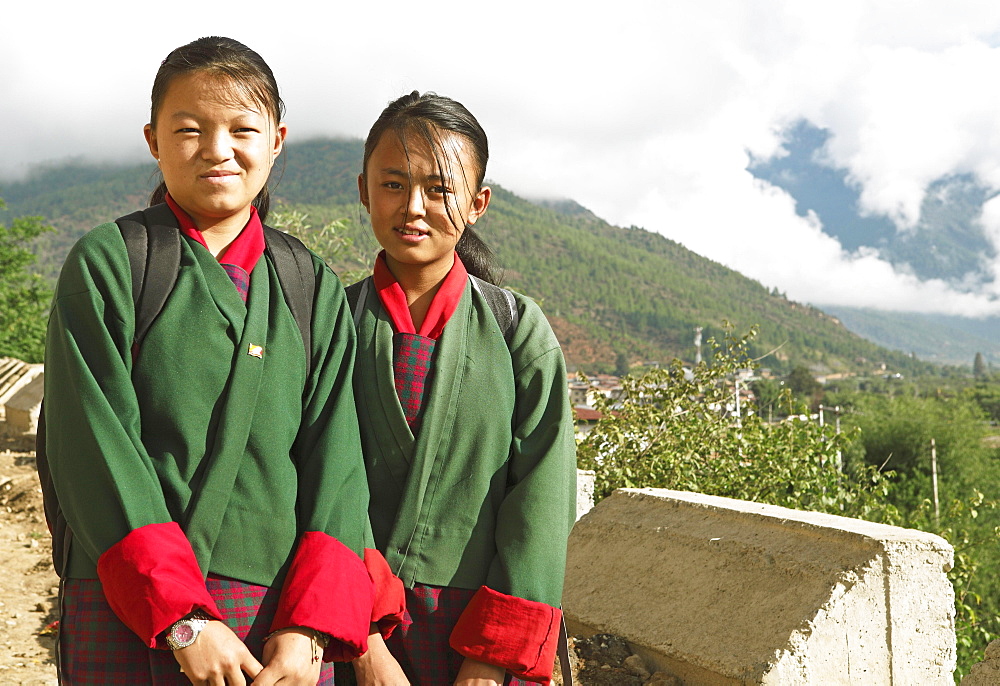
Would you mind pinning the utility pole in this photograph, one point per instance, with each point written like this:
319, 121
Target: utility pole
937, 507
837, 412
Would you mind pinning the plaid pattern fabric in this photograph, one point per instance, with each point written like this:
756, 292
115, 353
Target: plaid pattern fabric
411, 368
420, 643
96, 648
239, 277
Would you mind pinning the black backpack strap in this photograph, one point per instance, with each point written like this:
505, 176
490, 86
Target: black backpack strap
153, 242
356, 294
562, 649
294, 265
502, 304
61, 534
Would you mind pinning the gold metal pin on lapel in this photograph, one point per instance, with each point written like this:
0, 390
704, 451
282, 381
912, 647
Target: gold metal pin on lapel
256, 351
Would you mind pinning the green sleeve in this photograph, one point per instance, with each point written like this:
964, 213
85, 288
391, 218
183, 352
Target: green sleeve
333, 489
103, 476
539, 508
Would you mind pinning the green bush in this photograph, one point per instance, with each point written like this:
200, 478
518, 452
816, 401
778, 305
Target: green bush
24, 297
678, 428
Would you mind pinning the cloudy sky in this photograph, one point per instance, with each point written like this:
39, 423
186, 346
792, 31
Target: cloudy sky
644, 112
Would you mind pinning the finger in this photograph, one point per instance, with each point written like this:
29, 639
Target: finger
251, 667
267, 677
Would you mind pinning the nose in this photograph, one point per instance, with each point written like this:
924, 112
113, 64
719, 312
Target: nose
415, 205
216, 146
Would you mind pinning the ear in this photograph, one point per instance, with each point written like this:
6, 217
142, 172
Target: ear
363, 193
279, 140
479, 204
150, 134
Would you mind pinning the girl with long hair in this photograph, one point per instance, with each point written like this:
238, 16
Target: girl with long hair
465, 416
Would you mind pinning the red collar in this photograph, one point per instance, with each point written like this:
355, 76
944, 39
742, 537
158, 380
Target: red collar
244, 252
442, 307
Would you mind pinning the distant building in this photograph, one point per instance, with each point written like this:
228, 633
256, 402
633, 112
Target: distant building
585, 393
584, 419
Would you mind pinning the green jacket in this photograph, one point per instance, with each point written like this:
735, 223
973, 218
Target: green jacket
242, 451
486, 492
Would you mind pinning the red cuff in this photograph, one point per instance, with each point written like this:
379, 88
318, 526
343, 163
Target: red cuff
151, 579
390, 598
517, 634
328, 589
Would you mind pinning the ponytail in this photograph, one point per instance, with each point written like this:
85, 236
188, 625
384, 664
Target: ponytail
478, 258
426, 116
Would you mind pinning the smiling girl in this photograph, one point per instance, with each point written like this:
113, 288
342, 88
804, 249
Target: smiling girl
210, 474
466, 427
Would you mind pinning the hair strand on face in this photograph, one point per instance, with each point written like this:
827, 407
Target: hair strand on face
429, 116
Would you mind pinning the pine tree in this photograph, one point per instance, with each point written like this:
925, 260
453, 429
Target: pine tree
979, 367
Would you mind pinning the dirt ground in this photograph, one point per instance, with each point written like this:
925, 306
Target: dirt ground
29, 588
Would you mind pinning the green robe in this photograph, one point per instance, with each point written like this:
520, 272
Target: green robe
486, 492
244, 452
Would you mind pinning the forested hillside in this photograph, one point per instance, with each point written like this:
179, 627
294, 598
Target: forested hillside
613, 295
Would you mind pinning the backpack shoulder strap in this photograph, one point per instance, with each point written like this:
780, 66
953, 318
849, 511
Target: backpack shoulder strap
62, 536
356, 294
153, 242
562, 649
502, 304
294, 265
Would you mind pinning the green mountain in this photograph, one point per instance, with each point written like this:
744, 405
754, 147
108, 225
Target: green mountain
940, 338
612, 294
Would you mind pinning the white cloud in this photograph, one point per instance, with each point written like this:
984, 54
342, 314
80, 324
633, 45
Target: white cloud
643, 111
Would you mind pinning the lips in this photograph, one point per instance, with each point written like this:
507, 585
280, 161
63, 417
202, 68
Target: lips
411, 233
218, 173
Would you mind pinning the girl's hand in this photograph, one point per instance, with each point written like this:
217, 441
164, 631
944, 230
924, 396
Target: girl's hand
217, 657
475, 673
378, 667
292, 657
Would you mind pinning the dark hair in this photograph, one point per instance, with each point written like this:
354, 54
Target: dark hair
227, 60
427, 115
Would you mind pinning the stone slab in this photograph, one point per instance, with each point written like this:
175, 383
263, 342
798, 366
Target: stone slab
721, 591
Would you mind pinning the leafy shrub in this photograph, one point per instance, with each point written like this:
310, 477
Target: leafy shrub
678, 428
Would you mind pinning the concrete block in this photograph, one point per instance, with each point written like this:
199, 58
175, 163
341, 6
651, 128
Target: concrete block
722, 591
14, 375
22, 408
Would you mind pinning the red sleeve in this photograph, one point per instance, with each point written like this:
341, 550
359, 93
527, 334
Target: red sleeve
151, 579
390, 598
328, 589
510, 632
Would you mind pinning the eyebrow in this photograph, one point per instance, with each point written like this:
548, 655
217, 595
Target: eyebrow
184, 114
393, 171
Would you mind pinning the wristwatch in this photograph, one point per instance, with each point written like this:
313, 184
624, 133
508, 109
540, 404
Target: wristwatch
183, 633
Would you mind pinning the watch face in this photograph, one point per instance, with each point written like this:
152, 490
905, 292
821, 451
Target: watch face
183, 633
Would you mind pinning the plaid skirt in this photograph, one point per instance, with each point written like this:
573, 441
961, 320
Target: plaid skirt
96, 648
420, 643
